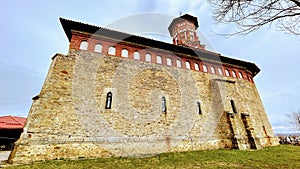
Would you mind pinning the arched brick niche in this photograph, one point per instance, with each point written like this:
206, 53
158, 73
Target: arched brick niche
123, 49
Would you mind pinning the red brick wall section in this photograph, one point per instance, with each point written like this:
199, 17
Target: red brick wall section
77, 38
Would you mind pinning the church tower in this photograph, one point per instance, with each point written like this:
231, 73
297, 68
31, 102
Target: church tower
183, 31
116, 94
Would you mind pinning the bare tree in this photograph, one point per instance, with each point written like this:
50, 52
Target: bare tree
294, 118
250, 15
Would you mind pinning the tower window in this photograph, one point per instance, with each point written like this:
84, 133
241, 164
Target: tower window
136, 55
124, 53
233, 106
169, 61
196, 66
181, 35
112, 50
98, 48
148, 57
178, 63
164, 105
158, 59
199, 107
192, 35
84, 45
188, 65
108, 100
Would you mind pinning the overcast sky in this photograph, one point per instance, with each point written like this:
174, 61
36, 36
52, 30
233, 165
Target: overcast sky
31, 34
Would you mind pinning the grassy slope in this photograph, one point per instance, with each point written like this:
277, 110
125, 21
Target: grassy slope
282, 156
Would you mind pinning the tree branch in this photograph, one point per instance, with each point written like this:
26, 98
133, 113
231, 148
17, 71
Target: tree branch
296, 2
250, 15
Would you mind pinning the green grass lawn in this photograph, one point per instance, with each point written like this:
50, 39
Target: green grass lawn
283, 156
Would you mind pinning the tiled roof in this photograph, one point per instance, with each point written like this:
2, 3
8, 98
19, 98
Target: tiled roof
12, 122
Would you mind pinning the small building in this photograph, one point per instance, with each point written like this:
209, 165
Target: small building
11, 128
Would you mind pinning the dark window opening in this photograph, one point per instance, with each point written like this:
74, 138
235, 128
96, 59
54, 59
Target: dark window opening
163, 105
233, 106
108, 100
199, 107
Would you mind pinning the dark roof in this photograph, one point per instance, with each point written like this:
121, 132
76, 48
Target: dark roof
69, 26
184, 17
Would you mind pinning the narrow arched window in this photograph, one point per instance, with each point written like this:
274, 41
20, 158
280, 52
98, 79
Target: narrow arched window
169, 61
164, 105
233, 74
251, 79
136, 55
220, 71
196, 66
233, 106
199, 107
148, 57
248, 77
108, 100
84, 45
124, 53
178, 63
98, 48
112, 50
212, 70
188, 65
204, 68
227, 72
158, 59
192, 35
241, 75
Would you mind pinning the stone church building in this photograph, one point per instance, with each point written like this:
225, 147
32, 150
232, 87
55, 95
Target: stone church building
116, 94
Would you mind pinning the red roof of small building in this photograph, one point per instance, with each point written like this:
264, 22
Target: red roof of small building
12, 122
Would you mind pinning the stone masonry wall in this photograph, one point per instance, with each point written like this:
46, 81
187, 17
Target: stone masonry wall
69, 119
